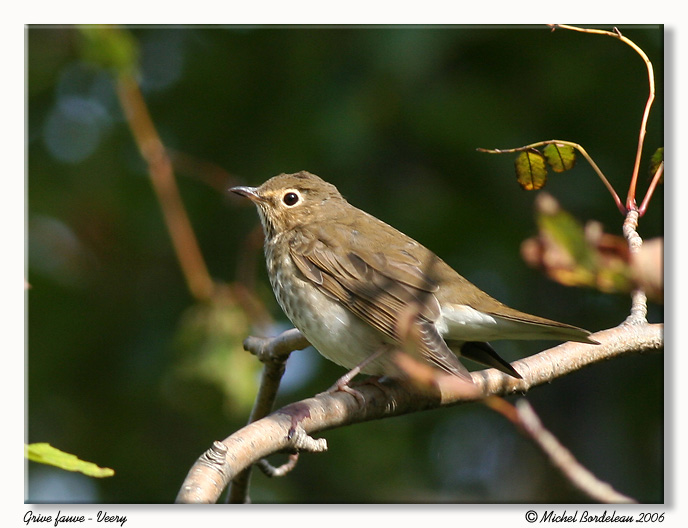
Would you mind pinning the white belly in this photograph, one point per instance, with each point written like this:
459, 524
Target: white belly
332, 329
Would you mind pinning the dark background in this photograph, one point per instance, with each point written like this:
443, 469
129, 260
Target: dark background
126, 369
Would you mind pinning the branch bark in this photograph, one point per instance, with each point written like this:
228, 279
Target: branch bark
273, 352
289, 428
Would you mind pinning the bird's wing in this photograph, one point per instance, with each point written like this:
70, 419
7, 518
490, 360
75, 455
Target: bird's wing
390, 291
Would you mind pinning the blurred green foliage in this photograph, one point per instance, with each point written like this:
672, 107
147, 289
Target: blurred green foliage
109, 47
125, 369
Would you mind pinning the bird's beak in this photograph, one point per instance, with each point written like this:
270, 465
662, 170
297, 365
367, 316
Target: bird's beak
249, 192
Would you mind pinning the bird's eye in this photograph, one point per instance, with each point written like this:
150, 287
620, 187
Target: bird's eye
290, 198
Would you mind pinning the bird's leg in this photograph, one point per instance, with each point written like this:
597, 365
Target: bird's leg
342, 383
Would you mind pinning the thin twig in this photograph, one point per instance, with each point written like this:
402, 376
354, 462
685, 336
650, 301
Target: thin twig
650, 191
579, 148
564, 460
160, 170
630, 200
280, 471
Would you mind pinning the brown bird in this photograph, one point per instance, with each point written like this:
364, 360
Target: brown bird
358, 289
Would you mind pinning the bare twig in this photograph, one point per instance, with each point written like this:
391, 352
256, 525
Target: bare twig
651, 189
630, 200
638, 313
272, 471
630, 227
278, 348
523, 416
160, 170
562, 458
579, 148
282, 429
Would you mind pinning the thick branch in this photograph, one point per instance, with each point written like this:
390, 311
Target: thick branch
289, 428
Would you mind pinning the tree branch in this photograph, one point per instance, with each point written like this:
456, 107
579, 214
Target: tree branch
273, 352
289, 428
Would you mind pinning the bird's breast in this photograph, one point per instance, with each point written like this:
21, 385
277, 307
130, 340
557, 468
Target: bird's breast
329, 326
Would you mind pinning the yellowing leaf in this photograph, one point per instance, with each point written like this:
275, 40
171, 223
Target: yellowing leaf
531, 170
577, 255
46, 454
565, 230
560, 157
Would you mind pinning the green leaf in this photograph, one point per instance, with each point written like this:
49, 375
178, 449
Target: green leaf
531, 170
657, 158
46, 454
560, 157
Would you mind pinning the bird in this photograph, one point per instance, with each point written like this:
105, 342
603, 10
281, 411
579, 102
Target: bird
360, 290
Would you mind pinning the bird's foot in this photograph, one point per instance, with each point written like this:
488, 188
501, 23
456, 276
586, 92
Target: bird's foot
342, 385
